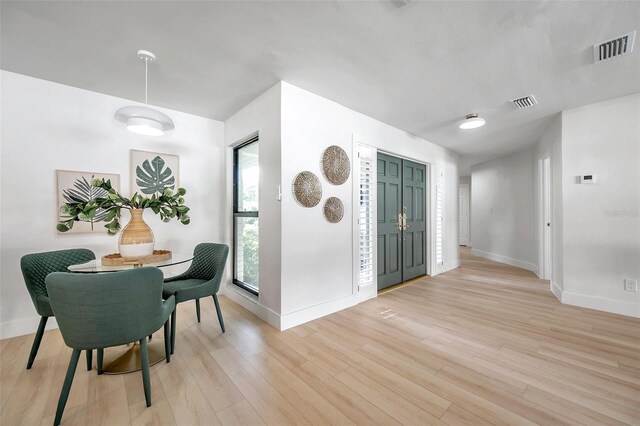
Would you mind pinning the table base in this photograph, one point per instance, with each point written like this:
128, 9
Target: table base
127, 359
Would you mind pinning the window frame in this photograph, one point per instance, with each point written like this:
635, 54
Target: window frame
240, 214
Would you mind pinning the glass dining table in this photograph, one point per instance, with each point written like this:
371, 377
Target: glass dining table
127, 359
95, 266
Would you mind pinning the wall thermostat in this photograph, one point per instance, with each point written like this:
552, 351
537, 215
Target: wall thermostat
588, 179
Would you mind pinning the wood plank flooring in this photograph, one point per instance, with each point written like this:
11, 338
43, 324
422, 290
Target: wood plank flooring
486, 343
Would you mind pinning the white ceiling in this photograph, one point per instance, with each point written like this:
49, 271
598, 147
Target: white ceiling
419, 67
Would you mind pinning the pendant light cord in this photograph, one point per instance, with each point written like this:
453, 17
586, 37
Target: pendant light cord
146, 79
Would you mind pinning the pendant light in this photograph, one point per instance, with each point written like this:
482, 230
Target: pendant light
142, 119
472, 121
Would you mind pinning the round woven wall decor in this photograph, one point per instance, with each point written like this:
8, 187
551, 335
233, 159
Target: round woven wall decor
333, 210
336, 165
307, 189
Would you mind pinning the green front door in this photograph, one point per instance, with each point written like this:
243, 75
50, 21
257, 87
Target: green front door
414, 261
389, 233
401, 243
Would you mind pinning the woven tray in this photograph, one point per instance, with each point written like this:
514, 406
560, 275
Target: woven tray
115, 259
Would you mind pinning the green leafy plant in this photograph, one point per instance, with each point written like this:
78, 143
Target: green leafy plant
153, 177
168, 204
83, 190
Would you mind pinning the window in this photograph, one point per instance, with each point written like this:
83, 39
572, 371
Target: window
246, 179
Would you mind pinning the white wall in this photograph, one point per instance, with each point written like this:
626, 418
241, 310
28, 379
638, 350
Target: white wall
601, 221
307, 264
502, 217
317, 257
550, 145
263, 116
48, 126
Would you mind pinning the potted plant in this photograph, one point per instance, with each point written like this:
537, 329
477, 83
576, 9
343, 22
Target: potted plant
136, 239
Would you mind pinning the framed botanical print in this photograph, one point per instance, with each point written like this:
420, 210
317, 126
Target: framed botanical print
152, 172
76, 186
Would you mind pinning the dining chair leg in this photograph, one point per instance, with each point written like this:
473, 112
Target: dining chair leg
36, 341
144, 355
66, 387
100, 360
198, 309
218, 311
89, 359
173, 329
167, 344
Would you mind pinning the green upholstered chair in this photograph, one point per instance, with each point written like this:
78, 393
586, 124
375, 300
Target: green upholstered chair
202, 279
101, 310
35, 268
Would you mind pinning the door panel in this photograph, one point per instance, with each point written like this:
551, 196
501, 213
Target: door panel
408, 250
389, 207
419, 245
382, 201
413, 190
420, 202
393, 258
392, 203
382, 250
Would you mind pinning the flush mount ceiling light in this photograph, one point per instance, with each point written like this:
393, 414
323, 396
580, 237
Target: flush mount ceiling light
472, 121
142, 119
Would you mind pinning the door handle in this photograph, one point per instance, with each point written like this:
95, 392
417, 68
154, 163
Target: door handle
404, 218
400, 225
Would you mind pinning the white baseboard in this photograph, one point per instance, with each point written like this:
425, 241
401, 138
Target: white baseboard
291, 319
504, 259
250, 303
598, 303
448, 266
314, 312
557, 291
24, 326
608, 305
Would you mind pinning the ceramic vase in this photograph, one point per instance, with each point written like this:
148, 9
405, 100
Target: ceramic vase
136, 239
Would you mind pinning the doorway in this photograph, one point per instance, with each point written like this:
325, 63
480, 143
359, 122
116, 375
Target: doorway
401, 189
547, 257
463, 209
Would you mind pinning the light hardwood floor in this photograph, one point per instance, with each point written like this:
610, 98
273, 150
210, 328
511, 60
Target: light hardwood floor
484, 344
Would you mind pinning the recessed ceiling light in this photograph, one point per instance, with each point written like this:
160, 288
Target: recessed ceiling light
472, 121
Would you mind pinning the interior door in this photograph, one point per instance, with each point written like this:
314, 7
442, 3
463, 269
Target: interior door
389, 195
546, 225
463, 208
414, 226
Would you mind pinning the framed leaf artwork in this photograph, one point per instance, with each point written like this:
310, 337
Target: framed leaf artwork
152, 172
76, 186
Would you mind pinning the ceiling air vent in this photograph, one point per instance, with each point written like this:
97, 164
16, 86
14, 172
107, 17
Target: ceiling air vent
525, 102
616, 47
